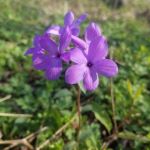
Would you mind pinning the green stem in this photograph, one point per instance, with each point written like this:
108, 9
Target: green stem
112, 100
113, 106
78, 110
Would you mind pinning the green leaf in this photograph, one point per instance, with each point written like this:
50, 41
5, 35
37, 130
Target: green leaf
89, 135
129, 87
138, 92
71, 146
102, 116
132, 136
63, 98
86, 108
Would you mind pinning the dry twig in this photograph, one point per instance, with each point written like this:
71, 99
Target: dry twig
5, 98
25, 141
14, 115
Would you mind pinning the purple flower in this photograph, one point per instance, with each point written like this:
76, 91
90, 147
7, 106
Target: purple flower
54, 67
88, 55
42, 49
69, 21
48, 55
90, 63
92, 31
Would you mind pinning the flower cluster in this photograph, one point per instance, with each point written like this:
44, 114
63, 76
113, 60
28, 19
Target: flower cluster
86, 57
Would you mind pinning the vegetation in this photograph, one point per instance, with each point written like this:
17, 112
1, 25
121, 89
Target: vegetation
34, 109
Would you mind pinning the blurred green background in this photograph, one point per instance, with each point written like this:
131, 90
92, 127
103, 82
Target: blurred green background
23, 90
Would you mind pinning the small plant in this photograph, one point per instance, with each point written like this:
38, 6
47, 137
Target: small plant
85, 58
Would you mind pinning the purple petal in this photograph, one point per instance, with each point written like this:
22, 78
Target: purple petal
54, 29
92, 31
79, 42
30, 51
74, 74
39, 61
65, 39
78, 21
48, 45
54, 69
75, 31
36, 40
98, 49
78, 56
106, 67
90, 80
66, 56
69, 17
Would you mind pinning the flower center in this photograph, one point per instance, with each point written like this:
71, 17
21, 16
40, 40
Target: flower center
89, 64
58, 55
45, 52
